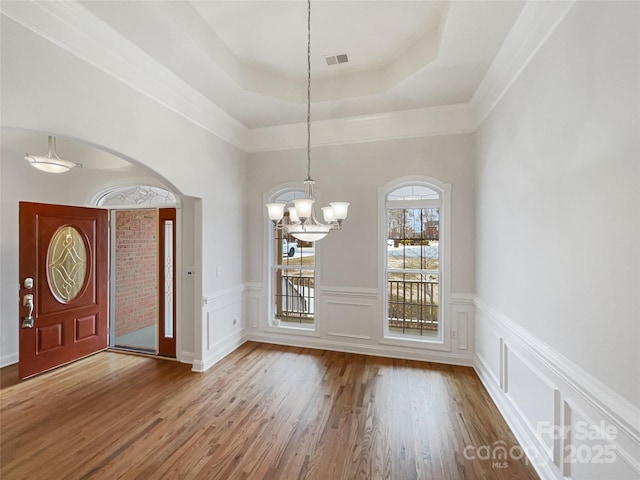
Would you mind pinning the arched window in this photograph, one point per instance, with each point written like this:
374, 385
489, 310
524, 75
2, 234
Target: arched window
141, 196
415, 233
292, 266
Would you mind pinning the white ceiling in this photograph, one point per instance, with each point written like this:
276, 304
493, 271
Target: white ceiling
249, 57
237, 68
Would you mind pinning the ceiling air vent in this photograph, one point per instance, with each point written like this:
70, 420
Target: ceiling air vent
336, 59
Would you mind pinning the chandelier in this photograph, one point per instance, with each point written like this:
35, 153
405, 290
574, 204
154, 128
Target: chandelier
51, 162
301, 222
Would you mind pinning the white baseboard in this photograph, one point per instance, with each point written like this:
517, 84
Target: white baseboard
8, 359
220, 349
542, 394
389, 351
186, 357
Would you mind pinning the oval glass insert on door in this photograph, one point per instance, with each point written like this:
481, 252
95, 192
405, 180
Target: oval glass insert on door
66, 264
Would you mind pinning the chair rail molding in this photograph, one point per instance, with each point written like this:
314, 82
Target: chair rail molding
540, 392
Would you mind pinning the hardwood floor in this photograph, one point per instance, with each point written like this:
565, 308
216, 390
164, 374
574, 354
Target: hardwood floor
264, 412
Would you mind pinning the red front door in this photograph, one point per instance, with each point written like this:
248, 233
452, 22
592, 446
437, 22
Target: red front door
63, 285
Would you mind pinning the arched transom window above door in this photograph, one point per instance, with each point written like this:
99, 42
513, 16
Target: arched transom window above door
136, 196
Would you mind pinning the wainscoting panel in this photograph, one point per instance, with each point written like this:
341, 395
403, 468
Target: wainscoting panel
463, 323
531, 396
253, 311
222, 327
462, 330
489, 349
348, 318
251, 305
591, 451
570, 425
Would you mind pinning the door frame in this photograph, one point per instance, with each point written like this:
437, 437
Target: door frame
177, 289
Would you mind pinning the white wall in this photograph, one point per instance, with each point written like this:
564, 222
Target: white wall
353, 173
76, 100
188, 251
349, 313
558, 266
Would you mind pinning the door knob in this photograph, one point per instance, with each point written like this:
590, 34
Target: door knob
27, 301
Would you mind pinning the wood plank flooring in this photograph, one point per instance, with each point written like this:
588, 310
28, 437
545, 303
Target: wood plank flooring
264, 412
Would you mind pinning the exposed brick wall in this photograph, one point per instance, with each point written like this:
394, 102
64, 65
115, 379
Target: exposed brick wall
136, 267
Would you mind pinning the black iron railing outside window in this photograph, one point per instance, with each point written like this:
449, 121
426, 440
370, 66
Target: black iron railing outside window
412, 306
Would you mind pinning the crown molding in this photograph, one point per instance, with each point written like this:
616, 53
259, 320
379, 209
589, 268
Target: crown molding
73, 28
79, 32
535, 24
366, 128
537, 21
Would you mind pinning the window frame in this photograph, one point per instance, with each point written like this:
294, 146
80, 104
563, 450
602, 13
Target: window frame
443, 339
172, 200
269, 248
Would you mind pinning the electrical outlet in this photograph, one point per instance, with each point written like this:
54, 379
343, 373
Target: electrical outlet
454, 334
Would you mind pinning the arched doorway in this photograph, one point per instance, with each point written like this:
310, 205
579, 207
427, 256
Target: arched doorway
103, 168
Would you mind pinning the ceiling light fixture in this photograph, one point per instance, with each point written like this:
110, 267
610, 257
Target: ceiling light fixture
301, 222
51, 162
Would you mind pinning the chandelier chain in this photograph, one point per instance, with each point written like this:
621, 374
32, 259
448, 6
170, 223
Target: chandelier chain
308, 89
301, 222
